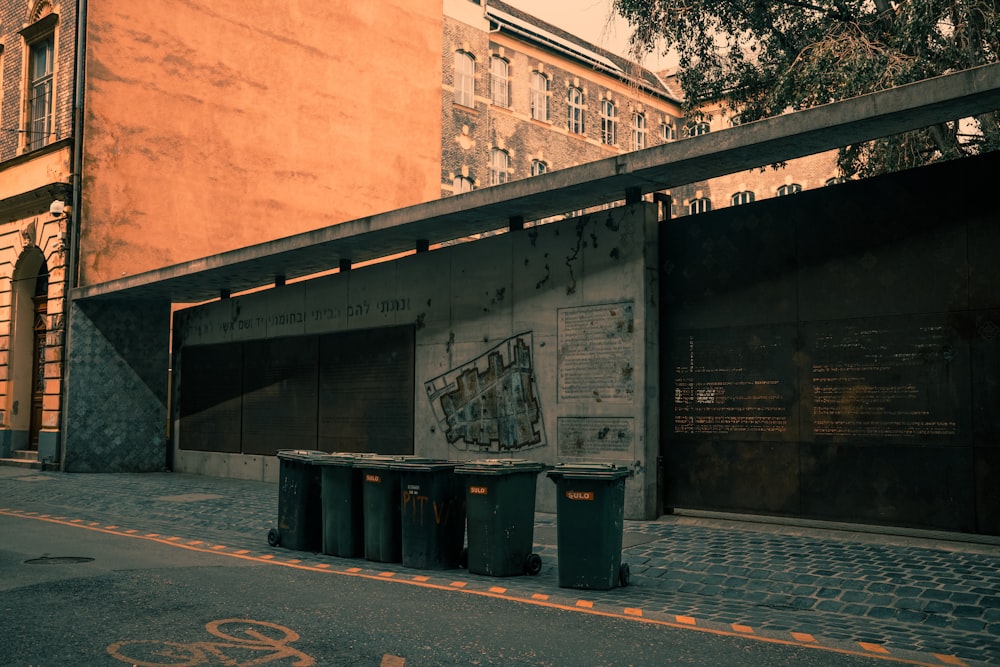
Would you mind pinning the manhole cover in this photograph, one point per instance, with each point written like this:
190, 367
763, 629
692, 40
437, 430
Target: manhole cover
58, 560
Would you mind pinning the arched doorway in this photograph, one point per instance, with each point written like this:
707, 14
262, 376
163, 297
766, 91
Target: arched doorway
27, 352
41, 307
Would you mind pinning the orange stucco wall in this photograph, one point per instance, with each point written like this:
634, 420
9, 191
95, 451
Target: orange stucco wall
215, 125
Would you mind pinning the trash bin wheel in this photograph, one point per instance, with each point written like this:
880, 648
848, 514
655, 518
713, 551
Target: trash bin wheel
533, 564
463, 557
623, 574
274, 537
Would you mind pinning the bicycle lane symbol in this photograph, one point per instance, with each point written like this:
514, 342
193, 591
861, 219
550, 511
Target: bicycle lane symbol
242, 643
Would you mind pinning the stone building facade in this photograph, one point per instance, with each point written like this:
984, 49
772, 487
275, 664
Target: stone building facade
153, 133
521, 97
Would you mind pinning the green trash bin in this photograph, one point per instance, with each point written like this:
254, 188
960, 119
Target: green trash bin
382, 510
343, 524
299, 505
590, 507
433, 514
500, 503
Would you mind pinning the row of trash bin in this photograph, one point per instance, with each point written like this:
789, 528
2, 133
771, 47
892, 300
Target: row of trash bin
416, 511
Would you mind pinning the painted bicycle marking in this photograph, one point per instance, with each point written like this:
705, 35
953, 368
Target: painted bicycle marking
244, 643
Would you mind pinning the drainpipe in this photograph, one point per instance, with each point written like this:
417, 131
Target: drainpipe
74, 219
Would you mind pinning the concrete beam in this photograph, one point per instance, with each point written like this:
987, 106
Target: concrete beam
860, 119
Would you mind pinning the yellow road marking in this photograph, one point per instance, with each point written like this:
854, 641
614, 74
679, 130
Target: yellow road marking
392, 661
742, 628
681, 622
539, 596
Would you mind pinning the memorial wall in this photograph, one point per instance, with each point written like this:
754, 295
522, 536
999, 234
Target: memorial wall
538, 344
835, 354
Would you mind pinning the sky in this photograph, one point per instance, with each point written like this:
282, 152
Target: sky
592, 20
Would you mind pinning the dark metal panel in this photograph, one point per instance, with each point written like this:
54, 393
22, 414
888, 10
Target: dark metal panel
987, 461
754, 477
705, 260
366, 386
984, 250
279, 399
738, 383
888, 380
984, 333
211, 397
870, 482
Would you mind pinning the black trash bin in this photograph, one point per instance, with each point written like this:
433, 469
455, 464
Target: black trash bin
299, 504
433, 514
343, 524
590, 506
500, 503
382, 511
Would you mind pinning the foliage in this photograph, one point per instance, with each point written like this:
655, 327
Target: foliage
765, 57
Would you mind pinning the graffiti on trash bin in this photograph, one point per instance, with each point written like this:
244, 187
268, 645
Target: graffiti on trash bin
490, 403
446, 511
239, 642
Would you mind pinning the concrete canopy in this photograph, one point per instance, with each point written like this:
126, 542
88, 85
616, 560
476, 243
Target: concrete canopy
901, 109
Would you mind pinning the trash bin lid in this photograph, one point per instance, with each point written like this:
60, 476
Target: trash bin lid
307, 455
345, 459
499, 467
425, 465
389, 461
588, 470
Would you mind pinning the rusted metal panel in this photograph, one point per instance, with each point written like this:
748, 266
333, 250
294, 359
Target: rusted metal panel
211, 397
366, 384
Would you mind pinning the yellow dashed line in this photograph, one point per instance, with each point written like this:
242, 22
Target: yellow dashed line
293, 561
131, 531
874, 648
584, 606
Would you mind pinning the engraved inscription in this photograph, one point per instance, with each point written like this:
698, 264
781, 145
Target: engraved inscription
597, 353
596, 437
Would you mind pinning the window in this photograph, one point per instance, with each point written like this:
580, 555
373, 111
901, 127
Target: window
836, 180
745, 197
696, 129
699, 205
789, 189
499, 166
500, 81
667, 131
539, 96
638, 132
538, 167
39, 114
465, 79
609, 123
574, 101
461, 184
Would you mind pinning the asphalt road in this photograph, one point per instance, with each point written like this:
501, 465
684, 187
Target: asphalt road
70, 595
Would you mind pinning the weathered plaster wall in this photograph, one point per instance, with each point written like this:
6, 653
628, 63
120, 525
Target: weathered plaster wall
214, 125
579, 295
